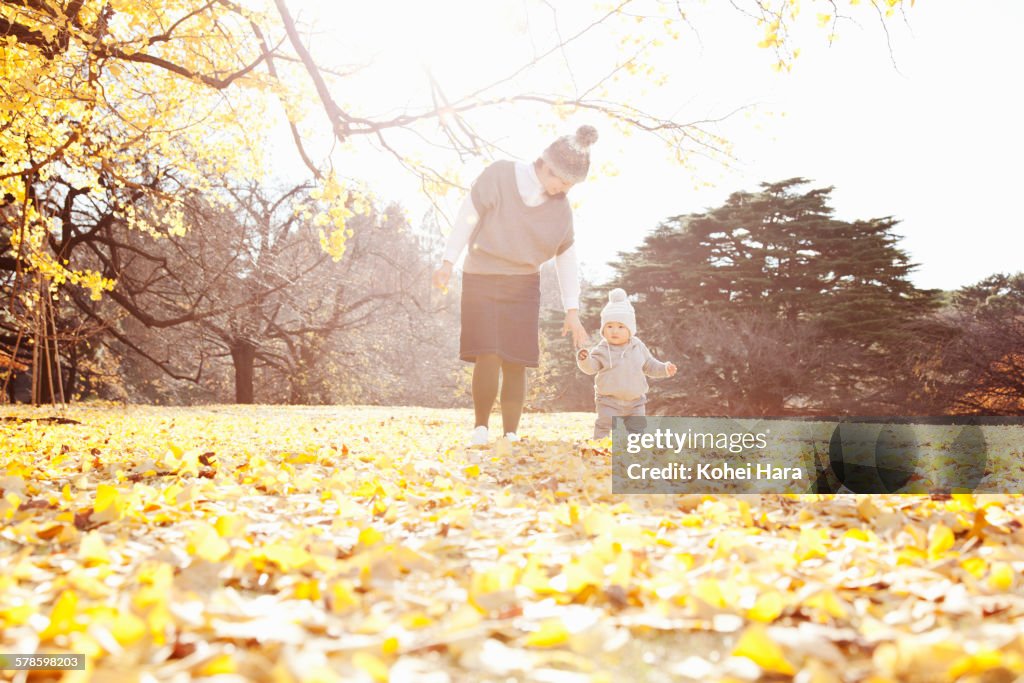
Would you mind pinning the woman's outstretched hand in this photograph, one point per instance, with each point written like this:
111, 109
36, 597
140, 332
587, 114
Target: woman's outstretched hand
442, 275
572, 324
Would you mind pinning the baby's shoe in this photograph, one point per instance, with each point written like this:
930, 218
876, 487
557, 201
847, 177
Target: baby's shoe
478, 437
511, 437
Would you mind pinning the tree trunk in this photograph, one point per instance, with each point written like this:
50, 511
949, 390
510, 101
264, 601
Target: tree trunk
72, 376
46, 390
243, 355
307, 388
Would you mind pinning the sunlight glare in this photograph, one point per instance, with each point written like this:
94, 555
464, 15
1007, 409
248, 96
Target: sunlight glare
459, 41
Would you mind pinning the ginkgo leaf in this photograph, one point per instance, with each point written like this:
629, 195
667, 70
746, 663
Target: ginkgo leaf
220, 665
622, 570
597, 521
63, 617
975, 566
343, 596
127, 628
755, 645
861, 535
940, 540
369, 537
1000, 576
549, 633
389, 647
286, 556
717, 593
911, 556
205, 543
415, 620
93, 550
229, 526
16, 615
535, 577
109, 504
368, 663
307, 590
977, 663
10, 502
567, 514
768, 607
812, 543
827, 603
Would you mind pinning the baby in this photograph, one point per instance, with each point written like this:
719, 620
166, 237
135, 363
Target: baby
622, 364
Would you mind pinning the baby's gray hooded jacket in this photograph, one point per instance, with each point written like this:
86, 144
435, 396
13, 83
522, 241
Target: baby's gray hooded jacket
622, 371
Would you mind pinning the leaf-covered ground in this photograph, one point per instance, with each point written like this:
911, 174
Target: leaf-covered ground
364, 543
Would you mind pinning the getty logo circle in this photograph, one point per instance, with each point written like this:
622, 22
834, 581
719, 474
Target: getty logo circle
884, 457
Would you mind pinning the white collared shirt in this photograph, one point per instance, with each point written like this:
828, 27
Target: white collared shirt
529, 185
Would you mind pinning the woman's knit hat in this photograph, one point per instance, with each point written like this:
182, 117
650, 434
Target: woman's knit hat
569, 155
619, 310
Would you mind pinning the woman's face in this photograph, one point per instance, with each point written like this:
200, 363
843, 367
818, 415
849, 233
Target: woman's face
553, 184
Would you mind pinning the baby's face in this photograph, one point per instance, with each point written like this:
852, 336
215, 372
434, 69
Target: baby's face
616, 333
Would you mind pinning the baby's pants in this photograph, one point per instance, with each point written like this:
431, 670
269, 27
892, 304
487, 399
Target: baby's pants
609, 407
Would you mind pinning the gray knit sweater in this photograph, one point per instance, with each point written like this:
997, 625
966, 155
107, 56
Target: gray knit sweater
622, 371
512, 238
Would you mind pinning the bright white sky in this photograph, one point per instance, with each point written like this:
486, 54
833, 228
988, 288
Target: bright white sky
935, 143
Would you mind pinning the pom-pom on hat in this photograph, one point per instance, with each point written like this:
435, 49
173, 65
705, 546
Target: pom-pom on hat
569, 155
619, 310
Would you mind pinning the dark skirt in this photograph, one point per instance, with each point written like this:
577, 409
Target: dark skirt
501, 314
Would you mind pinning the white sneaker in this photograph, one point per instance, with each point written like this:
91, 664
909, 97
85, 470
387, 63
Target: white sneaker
511, 436
479, 437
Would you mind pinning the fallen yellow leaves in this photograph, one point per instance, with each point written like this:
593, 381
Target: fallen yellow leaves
812, 543
204, 541
372, 665
1001, 576
549, 633
756, 646
328, 544
93, 550
826, 605
768, 607
369, 537
940, 540
63, 617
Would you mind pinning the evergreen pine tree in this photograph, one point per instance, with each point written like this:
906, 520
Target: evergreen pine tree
771, 305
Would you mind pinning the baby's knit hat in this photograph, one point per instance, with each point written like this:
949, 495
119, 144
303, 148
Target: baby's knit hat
569, 155
619, 310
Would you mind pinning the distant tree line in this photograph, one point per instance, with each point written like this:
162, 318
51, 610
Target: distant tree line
769, 305
243, 305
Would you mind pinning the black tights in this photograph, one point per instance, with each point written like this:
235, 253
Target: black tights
485, 390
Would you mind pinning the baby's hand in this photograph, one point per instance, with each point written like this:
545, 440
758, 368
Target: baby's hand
583, 354
671, 367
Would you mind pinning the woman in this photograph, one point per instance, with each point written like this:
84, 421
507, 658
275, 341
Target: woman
515, 218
